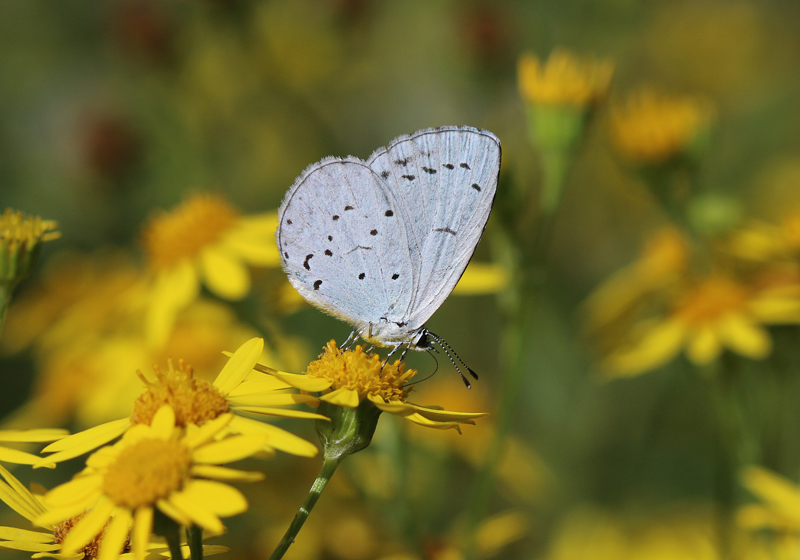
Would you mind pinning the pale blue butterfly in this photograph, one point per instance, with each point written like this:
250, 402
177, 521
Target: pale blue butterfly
381, 243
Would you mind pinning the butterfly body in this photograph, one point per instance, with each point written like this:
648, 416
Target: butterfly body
381, 243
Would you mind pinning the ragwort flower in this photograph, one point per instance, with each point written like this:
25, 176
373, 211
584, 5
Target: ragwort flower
203, 240
47, 544
10, 455
564, 79
237, 389
157, 467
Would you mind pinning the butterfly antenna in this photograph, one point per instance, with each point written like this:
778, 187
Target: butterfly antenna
448, 349
452, 361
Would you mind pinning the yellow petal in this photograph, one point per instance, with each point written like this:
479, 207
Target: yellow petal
659, 343
224, 274
163, 423
272, 399
116, 535
500, 530
264, 224
262, 384
342, 397
776, 309
703, 346
276, 437
422, 421
175, 513
302, 382
19, 498
281, 412
482, 278
230, 449
224, 473
88, 527
174, 289
780, 493
219, 498
83, 442
448, 416
200, 435
58, 514
239, 365
744, 337
142, 527
33, 436
77, 489
28, 546
194, 510
13, 533
255, 249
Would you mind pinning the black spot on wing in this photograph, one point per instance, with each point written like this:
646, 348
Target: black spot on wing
317, 284
384, 174
389, 214
328, 252
289, 222
446, 230
402, 162
348, 207
464, 165
330, 238
335, 217
286, 255
395, 276
409, 177
449, 166
428, 170
305, 263
374, 232
361, 276
476, 187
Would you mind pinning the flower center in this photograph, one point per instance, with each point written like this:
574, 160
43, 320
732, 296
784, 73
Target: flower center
147, 471
187, 230
711, 300
359, 371
18, 229
92, 547
194, 401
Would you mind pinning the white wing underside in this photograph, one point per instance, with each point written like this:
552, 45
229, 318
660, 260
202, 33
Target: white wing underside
389, 238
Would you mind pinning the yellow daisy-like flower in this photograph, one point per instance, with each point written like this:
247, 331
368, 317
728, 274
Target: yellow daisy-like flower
780, 507
349, 378
203, 240
705, 317
564, 79
652, 128
159, 466
47, 544
21, 238
237, 389
27, 436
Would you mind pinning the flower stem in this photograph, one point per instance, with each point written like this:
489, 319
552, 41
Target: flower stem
194, 535
5, 299
329, 465
174, 543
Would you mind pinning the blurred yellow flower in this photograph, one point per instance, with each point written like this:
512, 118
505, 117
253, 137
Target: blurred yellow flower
564, 79
26, 436
153, 467
780, 509
202, 240
236, 389
651, 128
348, 378
21, 238
704, 317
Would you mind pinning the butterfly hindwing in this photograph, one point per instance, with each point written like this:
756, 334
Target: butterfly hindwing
343, 241
446, 178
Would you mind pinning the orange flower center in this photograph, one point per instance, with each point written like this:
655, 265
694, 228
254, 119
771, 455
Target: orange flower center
194, 401
359, 371
147, 471
187, 230
92, 548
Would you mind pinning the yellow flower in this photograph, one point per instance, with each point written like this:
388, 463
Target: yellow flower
202, 240
47, 544
21, 238
237, 389
704, 317
349, 378
26, 436
563, 79
652, 128
159, 466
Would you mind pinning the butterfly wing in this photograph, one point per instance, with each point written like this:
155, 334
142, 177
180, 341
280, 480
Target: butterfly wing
343, 240
445, 179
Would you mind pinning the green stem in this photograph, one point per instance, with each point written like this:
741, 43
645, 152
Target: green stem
329, 466
195, 537
174, 543
5, 300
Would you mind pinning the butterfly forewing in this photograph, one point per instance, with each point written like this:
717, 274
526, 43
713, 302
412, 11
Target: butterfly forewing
446, 180
343, 240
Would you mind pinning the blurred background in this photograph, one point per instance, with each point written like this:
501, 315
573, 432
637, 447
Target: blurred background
112, 112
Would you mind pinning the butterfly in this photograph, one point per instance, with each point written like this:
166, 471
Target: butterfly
381, 243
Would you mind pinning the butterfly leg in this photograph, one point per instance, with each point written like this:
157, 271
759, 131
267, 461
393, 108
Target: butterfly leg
395, 349
349, 342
